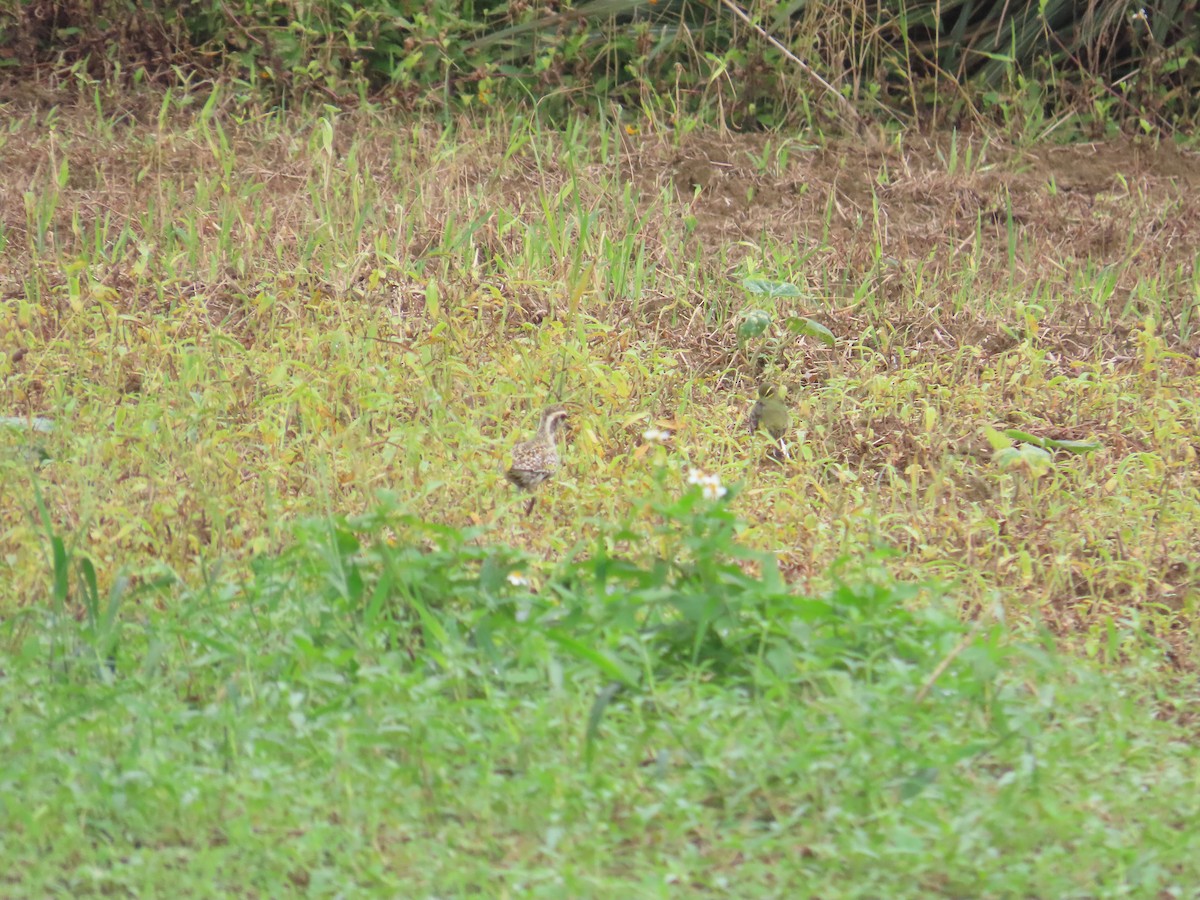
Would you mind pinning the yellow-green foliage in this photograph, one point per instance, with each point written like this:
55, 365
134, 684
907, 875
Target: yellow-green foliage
232, 322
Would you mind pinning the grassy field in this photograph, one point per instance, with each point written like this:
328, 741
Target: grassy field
273, 623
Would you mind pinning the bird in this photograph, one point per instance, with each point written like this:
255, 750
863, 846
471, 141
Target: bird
771, 413
536, 460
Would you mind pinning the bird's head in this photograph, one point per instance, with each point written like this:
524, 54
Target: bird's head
553, 417
771, 392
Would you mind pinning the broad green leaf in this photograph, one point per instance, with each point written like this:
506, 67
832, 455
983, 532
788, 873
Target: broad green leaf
770, 288
813, 329
754, 323
1033, 460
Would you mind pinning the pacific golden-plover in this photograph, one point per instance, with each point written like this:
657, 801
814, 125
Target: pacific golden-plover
535, 460
771, 413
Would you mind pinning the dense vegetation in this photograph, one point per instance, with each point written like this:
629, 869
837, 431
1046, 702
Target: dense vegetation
1093, 65
281, 286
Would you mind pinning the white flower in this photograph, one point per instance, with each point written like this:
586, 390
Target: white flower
516, 579
710, 485
656, 436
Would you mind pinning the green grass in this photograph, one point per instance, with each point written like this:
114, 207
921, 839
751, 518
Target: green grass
260, 636
336, 807
312, 733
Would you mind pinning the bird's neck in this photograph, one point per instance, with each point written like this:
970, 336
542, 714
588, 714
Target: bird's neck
548, 429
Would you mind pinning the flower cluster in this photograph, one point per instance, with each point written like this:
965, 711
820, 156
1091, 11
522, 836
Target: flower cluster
656, 436
709, 484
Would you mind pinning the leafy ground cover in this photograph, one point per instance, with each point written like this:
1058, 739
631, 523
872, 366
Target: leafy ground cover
273, 622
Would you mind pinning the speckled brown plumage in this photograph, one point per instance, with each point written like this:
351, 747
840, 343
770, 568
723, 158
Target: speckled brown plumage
536, 460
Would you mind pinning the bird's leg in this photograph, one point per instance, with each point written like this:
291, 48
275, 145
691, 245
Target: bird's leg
784, 448
529, 505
